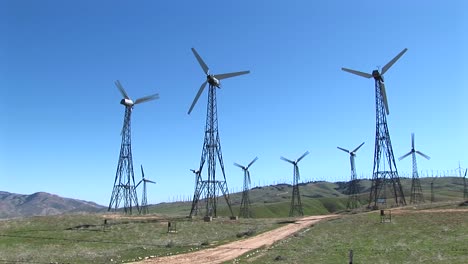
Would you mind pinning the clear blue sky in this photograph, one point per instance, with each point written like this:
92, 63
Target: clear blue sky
61, 117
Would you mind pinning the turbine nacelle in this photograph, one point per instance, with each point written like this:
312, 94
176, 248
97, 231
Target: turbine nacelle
213, 81
377, 76
127, 102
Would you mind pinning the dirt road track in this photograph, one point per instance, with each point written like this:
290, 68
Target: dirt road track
235, 249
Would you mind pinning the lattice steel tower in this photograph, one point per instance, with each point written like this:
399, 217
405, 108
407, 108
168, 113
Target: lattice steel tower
124, 183
353, 190
245, 210
385, 170
209, 189
296, 205
416, 191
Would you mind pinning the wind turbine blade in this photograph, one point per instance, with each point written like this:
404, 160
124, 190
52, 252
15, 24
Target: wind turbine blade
197, 96
285, 159
356, 149
362, 74
345, 150
303, 155
384, 97
147, 98
406, 155
466, 170
388, 65
412, 140
229, 75
252, 162
142, 172
424, 155
138, 184
200, 61
121, 89
240, 166
248, 176
150, 181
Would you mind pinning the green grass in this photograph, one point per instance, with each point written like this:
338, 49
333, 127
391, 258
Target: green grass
82, 239
317, 198
409, 238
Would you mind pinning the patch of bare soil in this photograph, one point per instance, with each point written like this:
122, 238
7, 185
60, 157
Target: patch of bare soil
235, 249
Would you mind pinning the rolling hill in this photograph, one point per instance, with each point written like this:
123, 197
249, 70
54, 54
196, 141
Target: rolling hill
38, 204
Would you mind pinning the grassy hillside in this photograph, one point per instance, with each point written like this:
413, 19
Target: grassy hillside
317, 198
84, 239
412, 237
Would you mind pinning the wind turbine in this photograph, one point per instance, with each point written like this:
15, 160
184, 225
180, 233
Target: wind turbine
353, 184
245, 202
124, 177
296, 205
212, 144
144, 200
384, 160
416, 191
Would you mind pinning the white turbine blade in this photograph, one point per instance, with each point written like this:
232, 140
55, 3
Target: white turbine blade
303, 155
466, 170
142, 172
362, 74
356, 149
240, 166
345, 150
200, 61
252, 162
150, 181
285, 159
384, 97
197, 96
412, 140
388, 65
422, 154
147, 98
229, 75
406, 155
121, 89
248, 176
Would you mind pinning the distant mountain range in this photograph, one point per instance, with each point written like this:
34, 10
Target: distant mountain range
19, 205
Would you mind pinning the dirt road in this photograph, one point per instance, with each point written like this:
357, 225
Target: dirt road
235, 249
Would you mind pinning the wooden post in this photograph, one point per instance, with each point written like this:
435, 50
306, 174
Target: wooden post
350, 256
